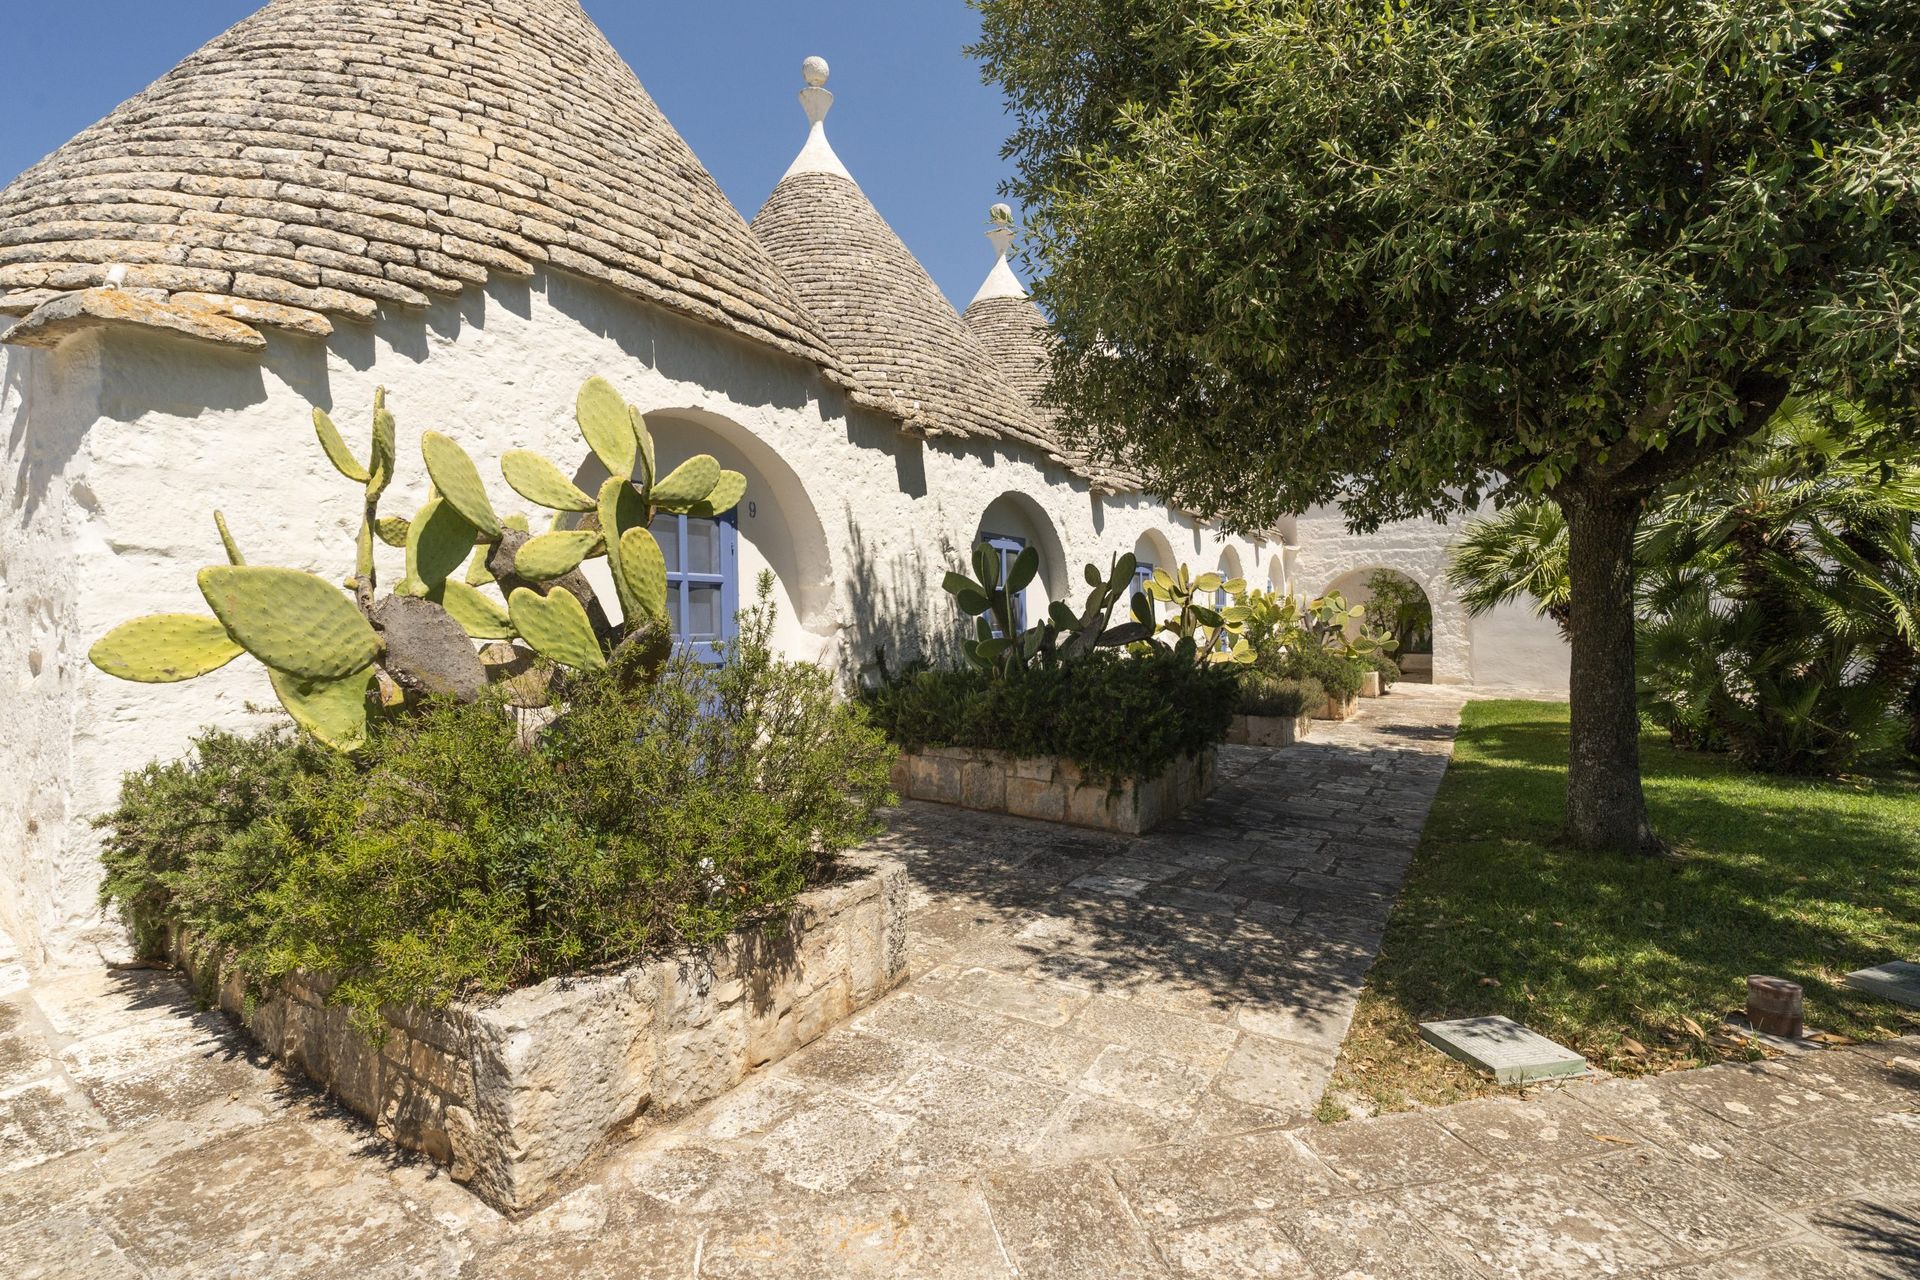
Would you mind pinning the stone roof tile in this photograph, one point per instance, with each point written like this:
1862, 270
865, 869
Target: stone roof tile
462, 138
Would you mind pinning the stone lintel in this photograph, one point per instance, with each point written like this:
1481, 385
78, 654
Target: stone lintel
54, 321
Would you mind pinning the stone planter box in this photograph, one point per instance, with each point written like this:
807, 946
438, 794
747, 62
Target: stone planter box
1049, 788
1269, 731
1370, 686
515, 1095
1338, 708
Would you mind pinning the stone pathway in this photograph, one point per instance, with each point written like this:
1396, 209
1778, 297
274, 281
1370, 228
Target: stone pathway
1103, 1067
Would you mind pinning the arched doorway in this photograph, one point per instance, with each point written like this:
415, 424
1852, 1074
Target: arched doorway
1229, 569
1396, 604
1011, 523
1152, 550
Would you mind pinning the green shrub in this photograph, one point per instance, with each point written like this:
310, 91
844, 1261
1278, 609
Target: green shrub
1339, 674
1389, 669
1115, 715
1267, 695
451, 858
178, 824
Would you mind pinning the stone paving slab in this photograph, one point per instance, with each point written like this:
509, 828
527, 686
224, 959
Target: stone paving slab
1076, 1082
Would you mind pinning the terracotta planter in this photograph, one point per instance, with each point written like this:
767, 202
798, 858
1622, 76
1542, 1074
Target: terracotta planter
1049, 788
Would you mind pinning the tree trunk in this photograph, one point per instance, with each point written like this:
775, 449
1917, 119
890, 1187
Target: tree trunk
1606, 808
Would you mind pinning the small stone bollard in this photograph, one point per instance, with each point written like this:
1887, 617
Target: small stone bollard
1776, 1007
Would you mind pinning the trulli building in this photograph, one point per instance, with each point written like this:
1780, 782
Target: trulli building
475, 204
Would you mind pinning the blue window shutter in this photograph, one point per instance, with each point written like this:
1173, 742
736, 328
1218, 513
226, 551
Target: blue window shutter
703, 581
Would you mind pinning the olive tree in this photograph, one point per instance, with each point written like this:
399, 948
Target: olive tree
1416, 255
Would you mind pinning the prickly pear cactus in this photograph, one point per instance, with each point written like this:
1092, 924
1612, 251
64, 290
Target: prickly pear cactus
337, 661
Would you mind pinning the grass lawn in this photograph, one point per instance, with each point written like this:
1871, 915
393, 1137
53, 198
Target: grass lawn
1634, 962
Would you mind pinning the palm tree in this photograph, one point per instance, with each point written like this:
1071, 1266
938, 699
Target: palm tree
1518, 553
1778, 597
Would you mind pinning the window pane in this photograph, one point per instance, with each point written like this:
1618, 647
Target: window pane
703, 546
703, 613
666, 531
673, 609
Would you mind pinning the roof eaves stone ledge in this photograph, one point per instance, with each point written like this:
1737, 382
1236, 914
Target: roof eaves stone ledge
53, 322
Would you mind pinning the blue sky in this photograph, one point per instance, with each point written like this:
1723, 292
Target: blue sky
911, 120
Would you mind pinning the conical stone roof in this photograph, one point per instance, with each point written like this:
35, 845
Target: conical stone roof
1014, 332
341, 155
882, 312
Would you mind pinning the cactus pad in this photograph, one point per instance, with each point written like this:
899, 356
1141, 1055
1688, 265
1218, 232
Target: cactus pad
686, 484
1025, 567
337, 452
607, 427
392, 530
644, 439
722, 498
380, 469
556, 626
641, 578
554, 555
334, 711
539, 481
164, 647
474, 610
226, 540
292, 621
439, 542
458, 481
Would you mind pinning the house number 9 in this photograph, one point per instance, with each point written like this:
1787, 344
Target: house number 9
753, 510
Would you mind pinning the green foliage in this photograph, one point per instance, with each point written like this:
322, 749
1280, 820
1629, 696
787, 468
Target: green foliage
1518, 553
1778, 602
1429, 251
1397, 607
180, 826
1115, 715
450, 858
1389, 669
1777, 593
1262, 694
1192, 609
1338, 673
990, 600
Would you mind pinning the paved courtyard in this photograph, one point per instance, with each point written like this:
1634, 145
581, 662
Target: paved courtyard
1104, 1066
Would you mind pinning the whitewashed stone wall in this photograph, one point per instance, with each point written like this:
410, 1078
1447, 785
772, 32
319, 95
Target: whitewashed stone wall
1505, 649
119, 446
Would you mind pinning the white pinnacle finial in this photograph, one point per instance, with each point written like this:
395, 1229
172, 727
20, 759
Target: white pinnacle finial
817, 156
1001, 282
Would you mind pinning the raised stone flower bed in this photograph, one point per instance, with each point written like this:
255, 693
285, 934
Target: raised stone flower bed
1339, 708
1269, 731
1050, 788
518, 1093
1371, 685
